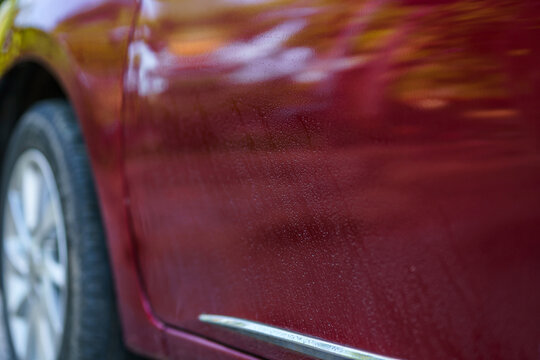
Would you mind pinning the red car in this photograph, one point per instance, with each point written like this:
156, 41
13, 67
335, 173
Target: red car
277, 179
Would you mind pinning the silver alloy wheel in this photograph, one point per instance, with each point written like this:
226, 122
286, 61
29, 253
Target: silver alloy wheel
34, 259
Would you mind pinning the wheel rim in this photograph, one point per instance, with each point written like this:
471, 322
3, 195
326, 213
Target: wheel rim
35, 259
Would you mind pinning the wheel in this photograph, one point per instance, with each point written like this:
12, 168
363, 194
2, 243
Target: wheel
57, 292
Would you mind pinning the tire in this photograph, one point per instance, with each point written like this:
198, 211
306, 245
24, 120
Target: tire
89, 325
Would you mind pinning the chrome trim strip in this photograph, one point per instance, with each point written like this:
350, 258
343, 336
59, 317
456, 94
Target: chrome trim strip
291, 340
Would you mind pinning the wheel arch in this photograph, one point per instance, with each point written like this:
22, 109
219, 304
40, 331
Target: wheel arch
23, 85
78, 53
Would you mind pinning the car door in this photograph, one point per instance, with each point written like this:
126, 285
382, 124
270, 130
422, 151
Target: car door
365, 172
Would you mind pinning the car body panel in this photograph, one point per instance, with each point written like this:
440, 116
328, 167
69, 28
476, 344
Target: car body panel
181, 345
83, 44
366, 172
361, 171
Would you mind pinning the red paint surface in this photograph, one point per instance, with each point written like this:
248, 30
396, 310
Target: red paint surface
367, 172
364, 172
